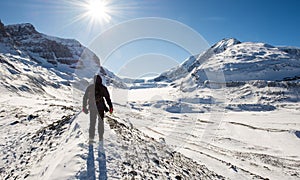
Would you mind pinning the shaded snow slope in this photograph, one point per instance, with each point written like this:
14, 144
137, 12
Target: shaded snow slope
21, 76
66, 55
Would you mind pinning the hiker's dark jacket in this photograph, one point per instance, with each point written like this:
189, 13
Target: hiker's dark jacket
94, 98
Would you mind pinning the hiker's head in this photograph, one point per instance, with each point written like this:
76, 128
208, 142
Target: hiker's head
97, 79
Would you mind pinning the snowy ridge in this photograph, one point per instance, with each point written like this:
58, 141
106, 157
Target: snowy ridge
239, 61
251, 61
129, 154
195, 61
224, 44
30, 129
62, 56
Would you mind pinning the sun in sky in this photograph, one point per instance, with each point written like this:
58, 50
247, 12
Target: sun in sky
95, 12
98, 10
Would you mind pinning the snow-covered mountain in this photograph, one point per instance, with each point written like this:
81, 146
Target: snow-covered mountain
252, 76
238, 61
66, 58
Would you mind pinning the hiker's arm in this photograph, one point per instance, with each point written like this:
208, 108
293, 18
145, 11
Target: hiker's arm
85, 98
107, 98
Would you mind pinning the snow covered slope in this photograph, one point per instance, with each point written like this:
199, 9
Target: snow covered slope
65, 57
234, 108
239, 61
252, 61
128, 154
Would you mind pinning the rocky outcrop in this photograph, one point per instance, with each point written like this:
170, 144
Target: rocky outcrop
2, 31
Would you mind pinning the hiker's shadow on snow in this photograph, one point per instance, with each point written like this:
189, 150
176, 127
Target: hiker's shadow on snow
102, 163
90, 173
90, 162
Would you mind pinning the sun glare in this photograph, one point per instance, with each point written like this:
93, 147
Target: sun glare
99, 13
98, 10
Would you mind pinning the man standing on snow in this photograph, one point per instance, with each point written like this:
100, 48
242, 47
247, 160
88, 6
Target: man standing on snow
93, 96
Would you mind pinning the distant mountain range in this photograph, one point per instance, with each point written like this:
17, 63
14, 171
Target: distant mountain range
237, 61
23, 48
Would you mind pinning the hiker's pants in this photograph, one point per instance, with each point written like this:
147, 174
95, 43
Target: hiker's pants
96, 115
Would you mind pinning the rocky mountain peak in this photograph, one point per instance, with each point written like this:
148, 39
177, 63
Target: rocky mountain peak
21, 29
224, 44
2, 30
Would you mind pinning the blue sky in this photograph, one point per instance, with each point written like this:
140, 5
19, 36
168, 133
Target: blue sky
275, 22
